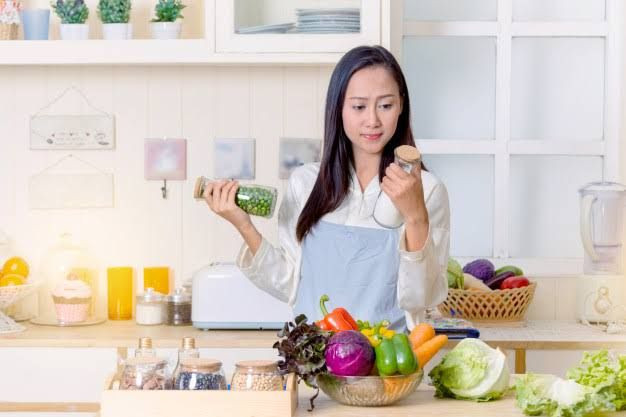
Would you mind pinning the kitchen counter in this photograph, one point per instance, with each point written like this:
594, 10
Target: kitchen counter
538, 334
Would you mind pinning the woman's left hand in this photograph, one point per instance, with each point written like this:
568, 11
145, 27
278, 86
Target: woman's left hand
406, 192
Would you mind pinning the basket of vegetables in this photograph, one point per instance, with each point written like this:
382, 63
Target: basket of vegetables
483, 294
354, 362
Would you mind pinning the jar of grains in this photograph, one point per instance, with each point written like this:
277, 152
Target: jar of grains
144, 373
257, 376
199, 374
178, 307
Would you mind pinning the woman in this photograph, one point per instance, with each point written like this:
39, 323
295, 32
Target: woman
329, 240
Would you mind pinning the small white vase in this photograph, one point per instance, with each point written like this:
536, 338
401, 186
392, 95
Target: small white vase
117, 31
165, 30
74, 31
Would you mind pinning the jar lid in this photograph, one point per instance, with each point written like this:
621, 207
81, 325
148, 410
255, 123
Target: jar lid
201, 364
408, 153
179, 296
262, 365
150, 296
198, 188
146, 361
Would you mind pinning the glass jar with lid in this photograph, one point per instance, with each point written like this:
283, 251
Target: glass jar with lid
178, 308
257, 376
199, 374
144, 373
385, 212
257, 200
150, 308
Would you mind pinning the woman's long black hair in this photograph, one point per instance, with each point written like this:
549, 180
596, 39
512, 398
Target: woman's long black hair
333, 180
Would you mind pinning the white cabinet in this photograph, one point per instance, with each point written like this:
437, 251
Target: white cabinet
328, 32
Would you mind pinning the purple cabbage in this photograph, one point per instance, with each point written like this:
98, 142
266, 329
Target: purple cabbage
482, 269
349, 353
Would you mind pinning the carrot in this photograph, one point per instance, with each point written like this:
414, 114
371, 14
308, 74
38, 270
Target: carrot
420, 334
426, 351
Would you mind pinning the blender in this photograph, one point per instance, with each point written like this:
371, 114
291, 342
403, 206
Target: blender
600, 290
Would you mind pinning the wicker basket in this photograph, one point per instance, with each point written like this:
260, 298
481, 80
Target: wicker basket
489, 306
8, 31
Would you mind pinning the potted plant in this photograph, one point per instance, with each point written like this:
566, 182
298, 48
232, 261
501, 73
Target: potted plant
9, 19
165, 26
73, 15
115, 15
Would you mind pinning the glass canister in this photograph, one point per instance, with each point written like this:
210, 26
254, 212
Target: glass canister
178, 308
199, 374
144, 373
385, 212
149, 308
257, 200
257, 376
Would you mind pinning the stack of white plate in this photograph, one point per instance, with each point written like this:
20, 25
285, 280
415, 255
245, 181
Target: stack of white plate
332, 20
279, 28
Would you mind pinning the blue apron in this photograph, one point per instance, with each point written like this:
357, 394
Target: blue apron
357, 267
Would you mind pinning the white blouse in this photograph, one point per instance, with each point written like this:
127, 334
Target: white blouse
422, 281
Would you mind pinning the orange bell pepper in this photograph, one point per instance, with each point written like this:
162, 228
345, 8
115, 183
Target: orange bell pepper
337, 321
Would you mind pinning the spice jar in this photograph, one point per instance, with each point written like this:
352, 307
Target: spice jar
178, 308
199, 374
257, 376
257, 200
149, 309
385, 212
144, 373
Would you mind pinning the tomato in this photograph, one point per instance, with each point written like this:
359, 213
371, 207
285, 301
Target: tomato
514, 282
15, 265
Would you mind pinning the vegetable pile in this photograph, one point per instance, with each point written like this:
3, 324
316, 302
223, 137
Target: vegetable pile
481, 275
341, 346
597, 385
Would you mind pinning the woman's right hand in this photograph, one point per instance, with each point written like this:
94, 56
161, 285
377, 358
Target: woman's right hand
220, 196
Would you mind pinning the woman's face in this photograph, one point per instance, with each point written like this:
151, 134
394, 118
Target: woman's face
370, 110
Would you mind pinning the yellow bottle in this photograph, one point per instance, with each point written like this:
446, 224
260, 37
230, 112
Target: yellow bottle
120, 292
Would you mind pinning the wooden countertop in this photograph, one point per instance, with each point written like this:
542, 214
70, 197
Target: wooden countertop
112, 334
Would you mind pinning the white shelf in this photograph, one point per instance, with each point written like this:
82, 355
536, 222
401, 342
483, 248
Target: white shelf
143, 51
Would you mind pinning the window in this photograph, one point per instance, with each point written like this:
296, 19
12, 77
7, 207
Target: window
515, 106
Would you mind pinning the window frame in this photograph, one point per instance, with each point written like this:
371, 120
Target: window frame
504, 30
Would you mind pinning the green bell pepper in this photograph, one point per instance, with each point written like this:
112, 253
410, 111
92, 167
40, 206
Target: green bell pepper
395, 355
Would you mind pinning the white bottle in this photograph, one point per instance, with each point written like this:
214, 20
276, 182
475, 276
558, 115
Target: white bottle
385, 213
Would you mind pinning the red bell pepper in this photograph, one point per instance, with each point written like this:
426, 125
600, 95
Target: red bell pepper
337, 321
514, 282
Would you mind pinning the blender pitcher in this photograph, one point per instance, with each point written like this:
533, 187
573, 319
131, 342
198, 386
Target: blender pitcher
601, 220
600, 291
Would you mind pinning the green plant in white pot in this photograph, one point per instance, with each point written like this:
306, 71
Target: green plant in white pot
165, 25
73, 15
115, 15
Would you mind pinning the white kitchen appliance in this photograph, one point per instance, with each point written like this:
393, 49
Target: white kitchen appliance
223, 298
600, 291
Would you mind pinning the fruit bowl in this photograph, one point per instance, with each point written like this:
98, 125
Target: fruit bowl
369, 391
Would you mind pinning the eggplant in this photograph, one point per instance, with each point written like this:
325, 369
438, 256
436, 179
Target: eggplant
494, 283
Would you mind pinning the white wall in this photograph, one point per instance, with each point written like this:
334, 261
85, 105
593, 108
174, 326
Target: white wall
195, 102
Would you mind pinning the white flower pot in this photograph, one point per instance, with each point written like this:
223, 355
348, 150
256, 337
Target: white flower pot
165, 30
74, 31
117, 31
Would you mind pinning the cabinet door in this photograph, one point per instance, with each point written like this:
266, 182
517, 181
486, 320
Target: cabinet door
263, 26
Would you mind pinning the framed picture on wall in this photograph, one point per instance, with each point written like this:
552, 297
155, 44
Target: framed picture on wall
165, 159
294, 152
234, 158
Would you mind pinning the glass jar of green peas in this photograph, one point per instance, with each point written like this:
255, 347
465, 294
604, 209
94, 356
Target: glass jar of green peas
257, 200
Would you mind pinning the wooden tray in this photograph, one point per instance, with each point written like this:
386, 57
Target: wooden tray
120, 403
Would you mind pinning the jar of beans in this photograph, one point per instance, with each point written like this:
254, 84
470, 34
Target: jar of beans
199, 374
257, 376
257, 200
144, 373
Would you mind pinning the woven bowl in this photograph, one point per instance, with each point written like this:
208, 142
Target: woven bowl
488, 306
